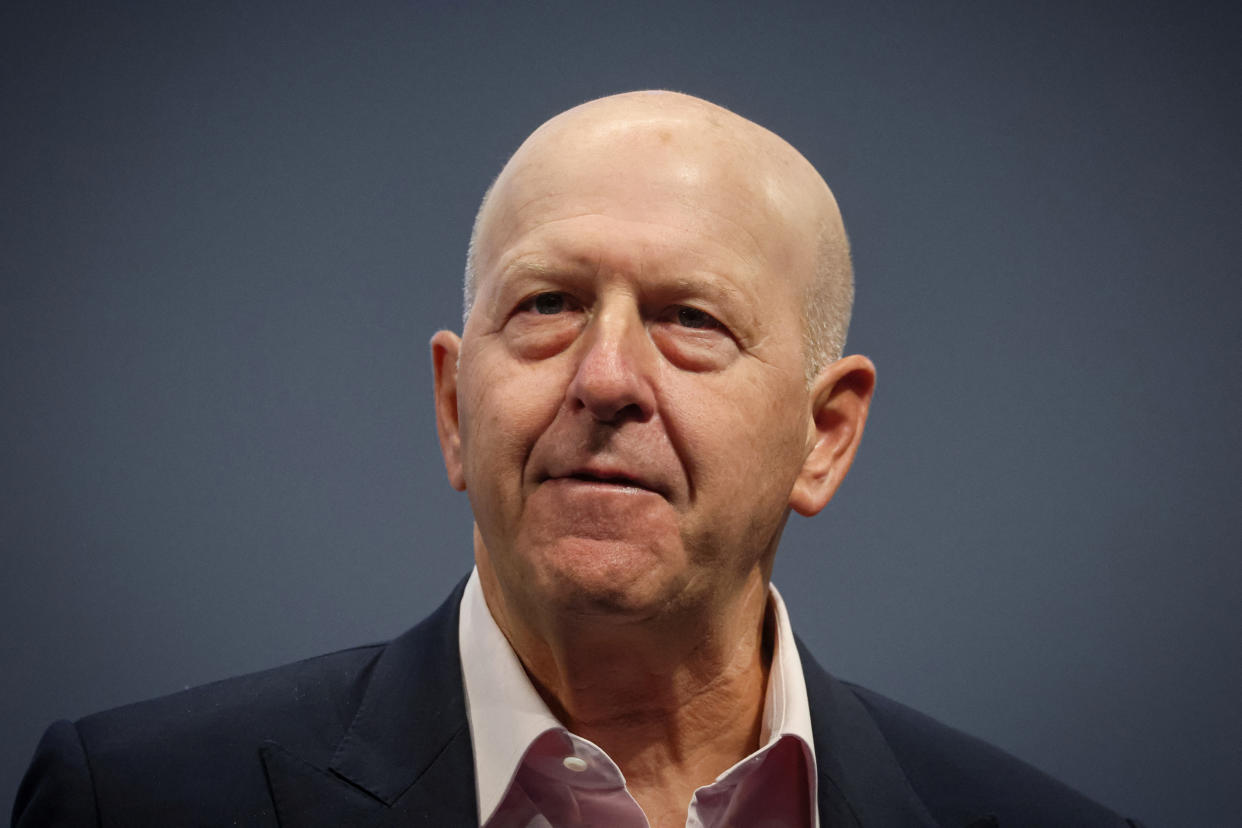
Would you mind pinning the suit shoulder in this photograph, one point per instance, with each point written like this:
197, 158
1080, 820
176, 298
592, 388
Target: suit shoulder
193, 757
202, 756
959, 776
292, 703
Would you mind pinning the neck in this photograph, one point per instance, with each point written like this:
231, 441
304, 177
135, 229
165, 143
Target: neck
674, 701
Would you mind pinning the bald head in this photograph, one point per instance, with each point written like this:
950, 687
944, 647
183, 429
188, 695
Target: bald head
668, 144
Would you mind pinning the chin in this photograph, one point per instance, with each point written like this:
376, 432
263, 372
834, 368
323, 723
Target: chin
588, 576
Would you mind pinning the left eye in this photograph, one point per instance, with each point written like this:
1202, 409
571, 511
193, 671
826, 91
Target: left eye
695, 318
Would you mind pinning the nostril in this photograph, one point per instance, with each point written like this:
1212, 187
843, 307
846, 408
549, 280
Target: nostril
613, 409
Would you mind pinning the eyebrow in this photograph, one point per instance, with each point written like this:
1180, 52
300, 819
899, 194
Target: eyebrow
524, 267
517, 269
713, 284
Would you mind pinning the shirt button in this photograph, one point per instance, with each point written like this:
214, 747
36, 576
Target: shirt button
574, 764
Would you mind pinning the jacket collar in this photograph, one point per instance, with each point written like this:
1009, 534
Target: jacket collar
860, 781
406, 757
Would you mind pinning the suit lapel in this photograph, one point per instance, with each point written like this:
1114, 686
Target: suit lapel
860, 781
406, 759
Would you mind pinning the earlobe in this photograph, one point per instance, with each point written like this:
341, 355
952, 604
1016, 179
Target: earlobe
840, 399
445, 350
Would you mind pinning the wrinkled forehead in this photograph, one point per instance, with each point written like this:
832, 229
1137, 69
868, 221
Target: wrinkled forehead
662, 164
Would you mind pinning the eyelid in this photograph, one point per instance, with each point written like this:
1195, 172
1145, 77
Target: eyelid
528, 302
715, 321
672, 312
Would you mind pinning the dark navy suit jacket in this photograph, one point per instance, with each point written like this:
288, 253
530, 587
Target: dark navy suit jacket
378, 736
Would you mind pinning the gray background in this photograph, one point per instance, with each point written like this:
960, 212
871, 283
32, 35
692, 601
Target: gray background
228, 231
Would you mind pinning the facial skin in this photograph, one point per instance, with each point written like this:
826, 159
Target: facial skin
627, 407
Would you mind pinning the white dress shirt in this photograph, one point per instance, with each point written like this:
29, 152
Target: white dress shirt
530, 772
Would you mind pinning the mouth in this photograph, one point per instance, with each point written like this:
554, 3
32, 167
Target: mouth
608, 479
615, 479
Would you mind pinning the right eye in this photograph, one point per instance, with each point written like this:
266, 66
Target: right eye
547, 304
544, 323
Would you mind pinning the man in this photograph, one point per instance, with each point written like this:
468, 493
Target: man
649, 378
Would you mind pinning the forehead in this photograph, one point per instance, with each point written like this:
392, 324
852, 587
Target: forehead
677, 187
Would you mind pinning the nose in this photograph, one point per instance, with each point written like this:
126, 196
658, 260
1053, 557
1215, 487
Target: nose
613, 378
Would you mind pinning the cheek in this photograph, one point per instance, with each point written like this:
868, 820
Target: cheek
503, 410
745, 441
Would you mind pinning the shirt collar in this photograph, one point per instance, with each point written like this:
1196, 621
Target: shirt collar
506, 713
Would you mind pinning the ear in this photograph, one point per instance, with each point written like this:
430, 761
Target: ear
840, 398
445, 349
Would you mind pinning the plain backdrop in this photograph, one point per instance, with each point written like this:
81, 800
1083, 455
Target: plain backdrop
228, 230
